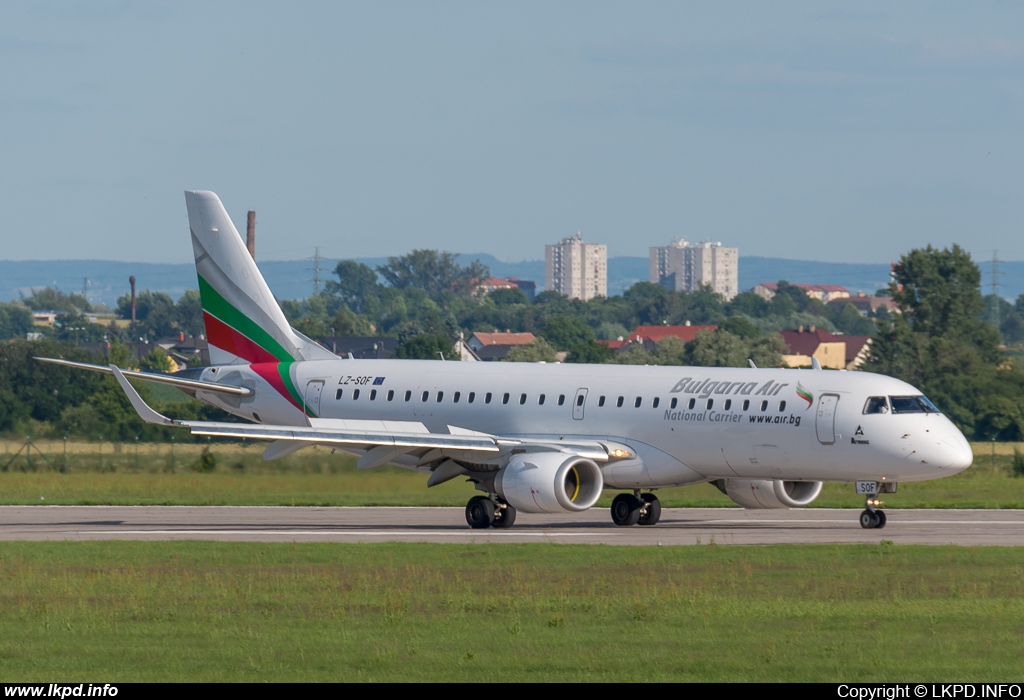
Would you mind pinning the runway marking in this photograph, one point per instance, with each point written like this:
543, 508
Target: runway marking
371, 533
794, 521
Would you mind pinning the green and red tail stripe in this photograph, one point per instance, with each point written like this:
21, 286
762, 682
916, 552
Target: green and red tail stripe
230, 330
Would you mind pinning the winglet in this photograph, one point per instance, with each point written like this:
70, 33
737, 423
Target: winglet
141, 407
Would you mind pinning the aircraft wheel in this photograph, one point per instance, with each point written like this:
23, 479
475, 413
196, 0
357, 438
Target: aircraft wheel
880, 516
504, 518
479, 512
626, 509
653, 506
869, 520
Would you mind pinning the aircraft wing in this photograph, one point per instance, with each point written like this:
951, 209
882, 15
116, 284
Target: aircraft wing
396, 437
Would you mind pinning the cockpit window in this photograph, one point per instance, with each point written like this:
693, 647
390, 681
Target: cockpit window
912, 404
876, 404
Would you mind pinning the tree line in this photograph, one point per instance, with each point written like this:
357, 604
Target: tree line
942, 342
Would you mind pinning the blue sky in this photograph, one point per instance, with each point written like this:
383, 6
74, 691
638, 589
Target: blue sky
819, 131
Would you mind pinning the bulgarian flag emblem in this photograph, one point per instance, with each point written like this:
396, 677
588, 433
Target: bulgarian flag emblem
804, 394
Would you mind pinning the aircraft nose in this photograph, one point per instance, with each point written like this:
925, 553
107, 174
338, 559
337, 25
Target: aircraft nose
958, 452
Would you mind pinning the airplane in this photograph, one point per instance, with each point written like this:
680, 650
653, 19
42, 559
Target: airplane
546, 437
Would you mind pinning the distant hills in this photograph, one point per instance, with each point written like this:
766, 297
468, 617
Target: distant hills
292, 279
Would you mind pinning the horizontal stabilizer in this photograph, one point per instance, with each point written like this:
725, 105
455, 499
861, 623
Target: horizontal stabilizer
190, 385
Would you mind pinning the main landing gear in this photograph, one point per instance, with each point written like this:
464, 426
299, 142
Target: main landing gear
483, 512
636, 509
872, 517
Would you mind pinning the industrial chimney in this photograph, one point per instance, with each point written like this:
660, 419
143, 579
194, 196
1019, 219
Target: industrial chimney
131, 281
250, 235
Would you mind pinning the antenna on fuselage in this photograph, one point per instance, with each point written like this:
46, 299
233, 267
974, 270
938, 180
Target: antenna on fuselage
815, 364
752, 365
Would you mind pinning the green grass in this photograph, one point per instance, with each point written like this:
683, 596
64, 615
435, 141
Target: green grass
90, 473
205, 611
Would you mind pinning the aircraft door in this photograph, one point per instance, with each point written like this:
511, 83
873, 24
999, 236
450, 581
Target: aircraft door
579, 403
314, 389
825, 418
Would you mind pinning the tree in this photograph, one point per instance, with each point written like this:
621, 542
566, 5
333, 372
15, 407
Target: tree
15, 321
564, 332
508, 297
427, 347
436, 273
717, 349
356, 283
941, 344
539, 350
48, 299
590, 353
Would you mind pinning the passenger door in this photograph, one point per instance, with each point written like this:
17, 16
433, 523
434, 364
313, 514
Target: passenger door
314, 389
825, 418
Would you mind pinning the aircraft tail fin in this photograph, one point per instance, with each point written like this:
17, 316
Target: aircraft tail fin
244, 323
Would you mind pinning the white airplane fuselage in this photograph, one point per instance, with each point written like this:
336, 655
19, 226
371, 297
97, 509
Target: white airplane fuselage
686, 425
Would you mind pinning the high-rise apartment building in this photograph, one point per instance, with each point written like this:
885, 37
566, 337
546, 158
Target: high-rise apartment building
683, 267
576, 269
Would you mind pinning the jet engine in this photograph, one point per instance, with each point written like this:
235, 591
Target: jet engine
549, 482
767, 493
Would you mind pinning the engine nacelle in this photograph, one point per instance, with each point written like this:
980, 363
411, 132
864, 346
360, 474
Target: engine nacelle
549, 482
768, 493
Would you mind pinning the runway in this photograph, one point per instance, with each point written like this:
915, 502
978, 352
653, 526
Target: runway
678, 526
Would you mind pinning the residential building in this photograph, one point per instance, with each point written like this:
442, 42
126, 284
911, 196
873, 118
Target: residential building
683, 267
832, 351
822, 292
867, 305
576, 269
491, 347
528, 287
650, 336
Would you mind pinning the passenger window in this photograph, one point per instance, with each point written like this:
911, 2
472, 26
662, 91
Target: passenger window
487, 399
876, 404
456, 396
600, 402
504, 398
408, 395
619, 402
691, 404
636, 404
440, 395
355, 394
764, 405
522, 399
746, 404
579, 400
373, 395
561, 399
391, 394
782, 406
337, 397
540, 400
472, 396
655, 403
711, 402
426, 395
728, 404
675, 402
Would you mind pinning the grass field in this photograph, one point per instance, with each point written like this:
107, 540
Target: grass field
206, 611
90, 473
